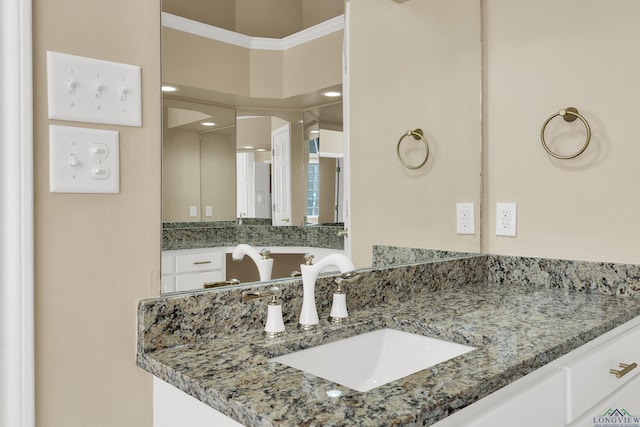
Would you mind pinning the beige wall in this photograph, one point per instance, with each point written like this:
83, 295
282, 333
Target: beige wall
327, 212
96, 254
313, 65
194, 61
543, 56
254, 132
180, 175
191, 61
317, 11
274, 19
415, 64
332, 141
218, 173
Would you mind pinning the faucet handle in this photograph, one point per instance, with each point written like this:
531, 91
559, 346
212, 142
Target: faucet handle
308, 259
349, 276
265, 253
251, 295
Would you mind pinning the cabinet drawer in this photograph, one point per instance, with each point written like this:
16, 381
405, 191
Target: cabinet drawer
167, 265
186, 282
624, 399
167, 283
198, 262
588, 377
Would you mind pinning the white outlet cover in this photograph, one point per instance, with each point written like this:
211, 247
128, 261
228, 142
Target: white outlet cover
83, 160
506, 219
465, 218
92, 90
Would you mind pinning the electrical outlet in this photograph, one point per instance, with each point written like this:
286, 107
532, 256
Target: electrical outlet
505, 219
193, 211
465, 223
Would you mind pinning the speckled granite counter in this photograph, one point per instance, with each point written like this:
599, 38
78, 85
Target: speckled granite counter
391, 255
210, 345
226, 233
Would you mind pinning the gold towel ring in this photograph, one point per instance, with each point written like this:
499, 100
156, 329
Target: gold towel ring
569, 115
417, 135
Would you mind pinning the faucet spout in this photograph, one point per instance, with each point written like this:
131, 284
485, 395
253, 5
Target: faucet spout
261, 259
309, 313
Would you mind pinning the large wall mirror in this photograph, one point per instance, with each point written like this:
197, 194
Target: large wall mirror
247, 74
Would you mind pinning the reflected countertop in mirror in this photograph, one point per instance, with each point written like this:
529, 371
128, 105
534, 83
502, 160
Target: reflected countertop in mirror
192, 235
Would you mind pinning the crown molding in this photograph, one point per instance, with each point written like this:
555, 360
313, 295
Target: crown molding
261, 43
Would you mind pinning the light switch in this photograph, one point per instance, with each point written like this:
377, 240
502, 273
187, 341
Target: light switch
92, 90
193, 211
83, 160
208, 211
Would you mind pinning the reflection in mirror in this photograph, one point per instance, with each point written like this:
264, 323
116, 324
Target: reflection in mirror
267, 87
198, 155
253, 163
325, 159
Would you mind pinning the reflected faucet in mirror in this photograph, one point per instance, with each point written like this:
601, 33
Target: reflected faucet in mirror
262, 260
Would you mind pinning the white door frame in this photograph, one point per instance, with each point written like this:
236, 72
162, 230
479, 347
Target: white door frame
281, 179
17, 384
346, 131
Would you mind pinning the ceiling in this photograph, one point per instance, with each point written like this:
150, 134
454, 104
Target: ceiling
257, 18
260, 18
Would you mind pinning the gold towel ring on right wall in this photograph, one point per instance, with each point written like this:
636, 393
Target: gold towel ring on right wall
417, 135
569, 114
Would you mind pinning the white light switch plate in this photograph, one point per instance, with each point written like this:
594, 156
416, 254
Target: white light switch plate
92, 90
83, 160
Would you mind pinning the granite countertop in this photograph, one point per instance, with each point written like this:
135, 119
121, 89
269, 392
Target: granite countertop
515, 328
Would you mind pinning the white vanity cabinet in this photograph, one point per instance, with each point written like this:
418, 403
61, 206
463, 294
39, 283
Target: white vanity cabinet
626, 398
569, 391
536, 400
189, 269
173, 408
589, 380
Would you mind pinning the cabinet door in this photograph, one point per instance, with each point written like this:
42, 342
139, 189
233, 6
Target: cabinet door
625, 402
199, 261
541, 404
187, 282
588, 377
537, 402
173, 408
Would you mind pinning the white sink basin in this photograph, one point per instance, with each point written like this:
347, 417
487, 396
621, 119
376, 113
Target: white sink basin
369, 360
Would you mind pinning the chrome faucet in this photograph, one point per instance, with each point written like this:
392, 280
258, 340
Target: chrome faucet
261, 259
309, 313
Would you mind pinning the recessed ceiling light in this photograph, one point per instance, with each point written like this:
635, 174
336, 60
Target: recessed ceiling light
167, 88
314, 131
331, 93
261, 149
208, 124
248, 147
